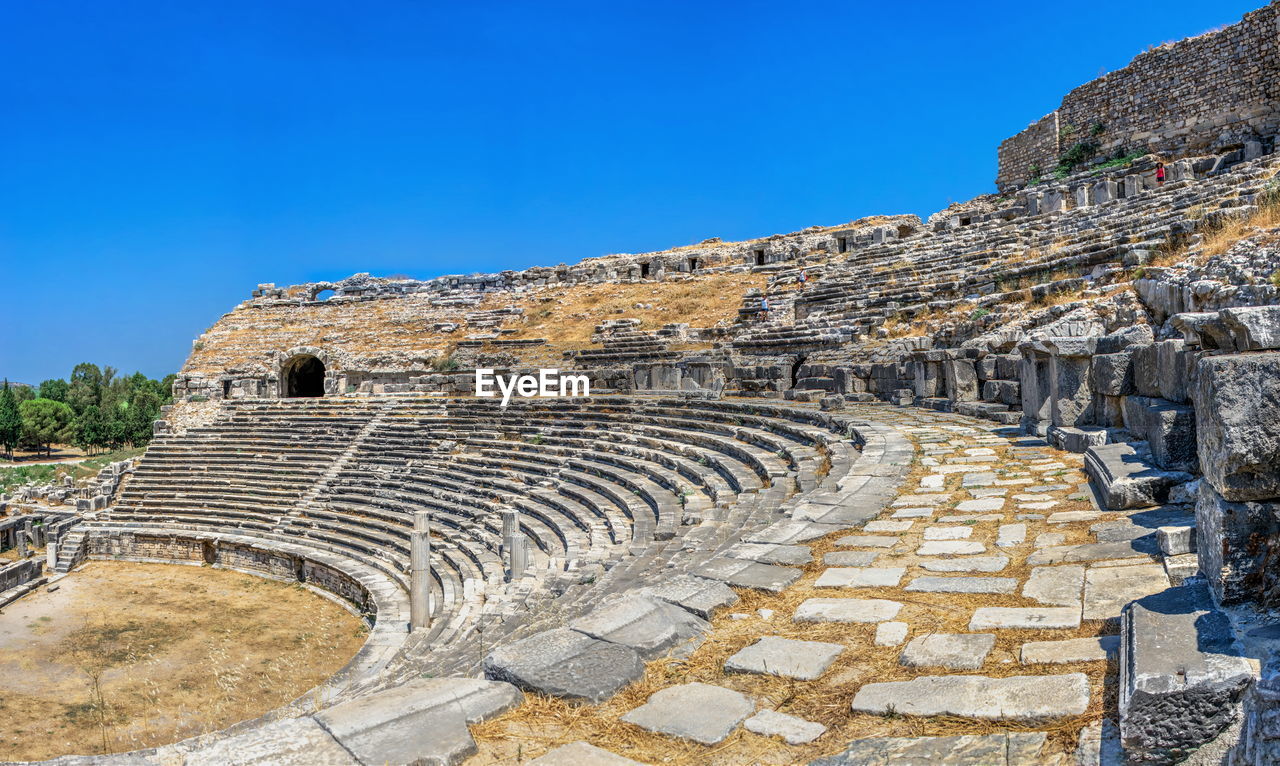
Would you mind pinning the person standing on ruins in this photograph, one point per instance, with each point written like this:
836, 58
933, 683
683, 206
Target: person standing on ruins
1160, 174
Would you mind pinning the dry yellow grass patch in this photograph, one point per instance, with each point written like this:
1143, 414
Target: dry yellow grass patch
568, 316
126, 656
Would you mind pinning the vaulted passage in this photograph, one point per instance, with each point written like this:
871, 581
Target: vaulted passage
302, 376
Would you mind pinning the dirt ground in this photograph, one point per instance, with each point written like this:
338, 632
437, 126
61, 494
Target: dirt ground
124, 656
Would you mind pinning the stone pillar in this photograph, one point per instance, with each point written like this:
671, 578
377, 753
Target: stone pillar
1070, 394
21, 544
420, 571
515, 546
51, 554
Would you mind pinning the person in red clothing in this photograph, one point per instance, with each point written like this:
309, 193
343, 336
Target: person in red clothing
1160, 173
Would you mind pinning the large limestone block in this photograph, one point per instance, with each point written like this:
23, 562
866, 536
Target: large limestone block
1006, 749
422, 721
1254, 328
650, 626
1181, 675
1237, 400
962, 380
1016, 698
1237, 544
565, 663
699, 712
1124, 475
693, 594
1168, 428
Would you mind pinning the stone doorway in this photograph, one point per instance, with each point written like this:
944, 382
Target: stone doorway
302, 376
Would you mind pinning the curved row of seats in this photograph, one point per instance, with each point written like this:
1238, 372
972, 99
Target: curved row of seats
934, 270
593, 478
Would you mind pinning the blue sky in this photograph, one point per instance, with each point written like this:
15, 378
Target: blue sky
161, 158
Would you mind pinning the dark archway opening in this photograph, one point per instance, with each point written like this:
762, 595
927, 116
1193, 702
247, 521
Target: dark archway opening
303, 376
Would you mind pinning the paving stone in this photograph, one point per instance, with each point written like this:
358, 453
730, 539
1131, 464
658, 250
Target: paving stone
981, 506
1108, 589
947, 533
793, 730
693, 594
1015, 698
974, 564
1071, 650
936, 498
1071, 517
969, 518
932, 481
989, 492
748, 574
422, 719
891, 633
979, 479
786, 657
987, 451
963, 585
1005, 749
860, 577
949, 548
955, 651
1056, 586
1010, 535
914, 513
850, 558
652, 627
868, 541
765, 553
1047, 617
582, 754
1042, 505
698, 712
565, 663
887, 526
1050, 539
846, 610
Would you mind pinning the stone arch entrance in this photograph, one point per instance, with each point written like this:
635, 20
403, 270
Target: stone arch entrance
301, 376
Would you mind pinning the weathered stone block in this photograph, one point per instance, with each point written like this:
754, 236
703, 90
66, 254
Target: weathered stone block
1169, 429
1112, 374
1235, 543
1181, 675
565, 663
1237, 398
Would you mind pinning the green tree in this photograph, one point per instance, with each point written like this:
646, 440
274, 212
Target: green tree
115, 428
45, 421
55, 389
90, 429
23, 393
86, 386
144, 408
10, 420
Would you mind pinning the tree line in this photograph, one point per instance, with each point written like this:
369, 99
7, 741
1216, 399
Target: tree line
96, 409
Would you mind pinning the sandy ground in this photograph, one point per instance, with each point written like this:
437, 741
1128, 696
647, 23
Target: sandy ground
125, 656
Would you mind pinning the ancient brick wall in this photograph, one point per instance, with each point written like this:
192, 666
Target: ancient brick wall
1177, 99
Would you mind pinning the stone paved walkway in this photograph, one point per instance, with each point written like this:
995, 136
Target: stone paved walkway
974, 615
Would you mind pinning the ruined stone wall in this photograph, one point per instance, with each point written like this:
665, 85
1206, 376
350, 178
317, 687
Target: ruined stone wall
1021, 154
1197, 95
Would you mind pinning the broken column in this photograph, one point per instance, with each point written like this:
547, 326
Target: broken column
515, 546
420, 571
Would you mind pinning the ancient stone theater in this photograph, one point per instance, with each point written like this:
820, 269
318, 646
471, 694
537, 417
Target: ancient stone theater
1001, 486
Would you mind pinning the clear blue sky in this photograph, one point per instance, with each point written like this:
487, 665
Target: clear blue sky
162, 158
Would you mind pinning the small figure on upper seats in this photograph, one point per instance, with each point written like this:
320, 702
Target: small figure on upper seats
764, 308
804, 278
1160, 173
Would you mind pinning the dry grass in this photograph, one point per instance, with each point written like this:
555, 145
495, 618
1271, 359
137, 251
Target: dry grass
567, 317
125, 656
542, 724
